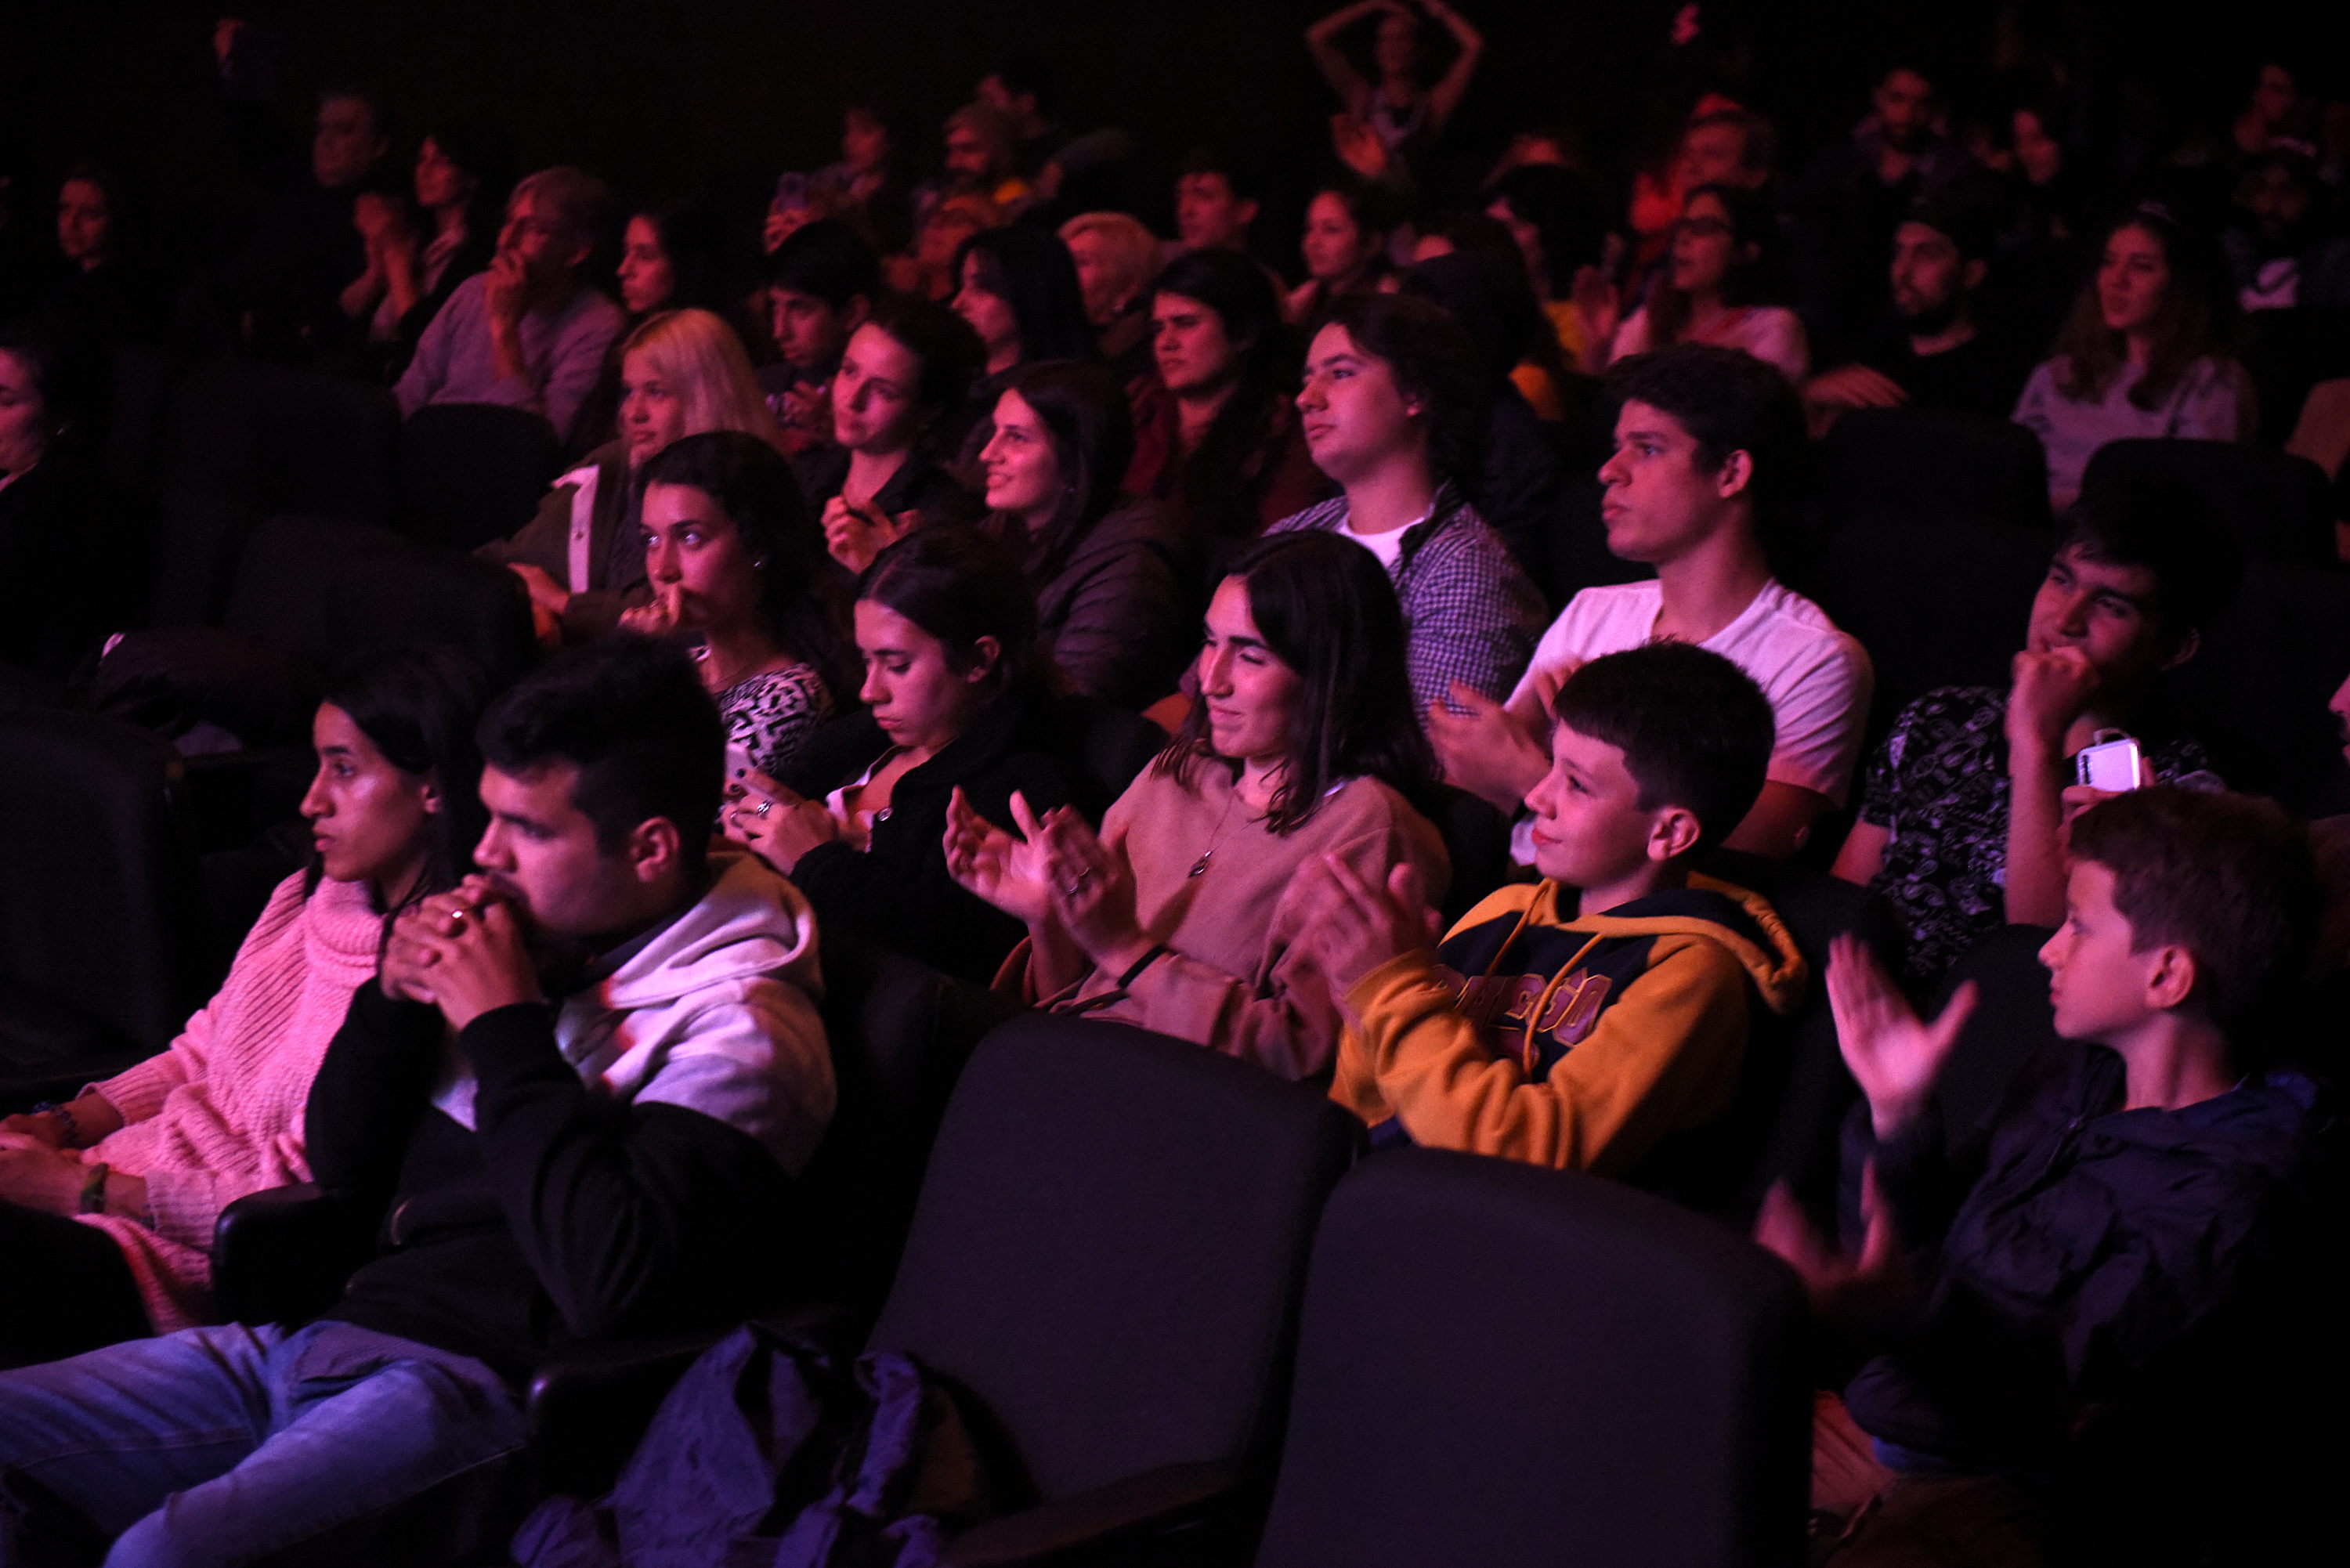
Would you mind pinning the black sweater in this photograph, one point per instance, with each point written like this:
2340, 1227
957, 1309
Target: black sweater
898, 892
565, 1216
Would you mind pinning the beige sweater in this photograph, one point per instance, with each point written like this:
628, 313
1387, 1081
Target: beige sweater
1239, 981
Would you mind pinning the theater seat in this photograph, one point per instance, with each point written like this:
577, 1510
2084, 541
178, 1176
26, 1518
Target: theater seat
2278, 506
101, 932
1515, 1368
471, 473
1930, 468
323, 447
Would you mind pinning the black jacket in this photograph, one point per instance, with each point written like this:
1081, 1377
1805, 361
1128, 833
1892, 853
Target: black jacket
2134, 1262
897, 892
566, 1216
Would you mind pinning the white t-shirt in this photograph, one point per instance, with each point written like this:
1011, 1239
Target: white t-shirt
1817, 677
1387, 546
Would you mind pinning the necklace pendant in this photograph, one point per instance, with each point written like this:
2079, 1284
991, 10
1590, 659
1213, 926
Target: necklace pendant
1200, 864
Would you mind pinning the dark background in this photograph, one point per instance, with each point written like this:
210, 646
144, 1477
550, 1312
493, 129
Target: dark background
661, 98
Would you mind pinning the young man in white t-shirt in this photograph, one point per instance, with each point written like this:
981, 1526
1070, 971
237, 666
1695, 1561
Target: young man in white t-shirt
1705, 436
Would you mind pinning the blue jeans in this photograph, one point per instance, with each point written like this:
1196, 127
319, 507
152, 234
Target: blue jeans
216, 1446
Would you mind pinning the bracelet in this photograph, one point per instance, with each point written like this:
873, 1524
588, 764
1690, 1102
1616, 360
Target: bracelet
64, 1119
1144, 962
93, 1188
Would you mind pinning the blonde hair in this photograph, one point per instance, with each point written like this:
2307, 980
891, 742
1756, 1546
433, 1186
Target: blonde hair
1129, 250
699, 354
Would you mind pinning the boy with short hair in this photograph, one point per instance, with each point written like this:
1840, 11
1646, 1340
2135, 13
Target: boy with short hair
2117, 1256
1582, 1021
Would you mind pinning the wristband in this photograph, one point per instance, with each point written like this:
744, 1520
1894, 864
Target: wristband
1144, 962
64, 1119
93, 1188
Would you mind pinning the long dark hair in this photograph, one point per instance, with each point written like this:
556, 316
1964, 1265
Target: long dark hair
419, 706
1084, 411
2195, 316
802, 594
960, 585
1212, 486
1746, 281
1030, 269
952, 358
1326, 609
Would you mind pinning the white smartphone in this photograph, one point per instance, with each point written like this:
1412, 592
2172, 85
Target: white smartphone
2110, 765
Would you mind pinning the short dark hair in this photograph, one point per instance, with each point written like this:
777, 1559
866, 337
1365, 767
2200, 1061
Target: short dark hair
2166, 530
829, 259
2228, 877
419, 706
1729, 401
1565, 213
1695, 730
802, 594
1238, 171
960, 585
1024, 71
1435, 363
633, 716
1325, 606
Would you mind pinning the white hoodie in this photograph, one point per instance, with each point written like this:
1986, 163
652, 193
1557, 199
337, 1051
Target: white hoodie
716, 1012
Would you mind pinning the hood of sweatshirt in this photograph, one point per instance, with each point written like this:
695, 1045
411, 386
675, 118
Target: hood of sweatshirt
751, 922
1740, 921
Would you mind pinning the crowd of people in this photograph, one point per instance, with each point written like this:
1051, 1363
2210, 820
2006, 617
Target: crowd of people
1150, 628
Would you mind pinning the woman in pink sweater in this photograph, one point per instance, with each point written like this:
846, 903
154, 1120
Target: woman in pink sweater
107, 1202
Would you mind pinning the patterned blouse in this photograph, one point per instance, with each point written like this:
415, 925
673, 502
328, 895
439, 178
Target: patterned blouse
769, 716
1939, 787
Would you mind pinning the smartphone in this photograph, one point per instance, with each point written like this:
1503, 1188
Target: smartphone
2109, 765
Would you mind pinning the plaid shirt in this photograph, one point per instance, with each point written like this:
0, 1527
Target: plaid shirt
1469, 613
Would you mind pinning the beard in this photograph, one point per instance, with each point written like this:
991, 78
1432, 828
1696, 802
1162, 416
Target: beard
1935, 319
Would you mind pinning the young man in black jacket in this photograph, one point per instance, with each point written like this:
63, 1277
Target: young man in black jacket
2114, 1274
578, 1089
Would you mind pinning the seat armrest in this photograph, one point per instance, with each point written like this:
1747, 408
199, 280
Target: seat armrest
1158, 1499
282, 1255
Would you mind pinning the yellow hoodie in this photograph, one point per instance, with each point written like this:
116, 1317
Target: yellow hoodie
1578, 1044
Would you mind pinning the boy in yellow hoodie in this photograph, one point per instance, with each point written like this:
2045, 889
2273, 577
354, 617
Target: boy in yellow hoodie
1583, 1021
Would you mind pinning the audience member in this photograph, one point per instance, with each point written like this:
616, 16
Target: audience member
1517, 486
2125, 1261
1182, 916
1706, 446
62, 540
735, 560
2280, 250
934, 270
460, 189
982, 152
822, 283
1019, 291
2144, 354
528, 333
638, 1069
1393, 411
1116, 258
582, 558
1216, 200
947, 626
1713, 288
1019, 86
1227, 454
2276, 108
1557, 224
1598, 1019
1344, 249
675, 256
108, 1201
906, 376
287, 287
1403, 116
865, 188
1721, 143
110, 293
1959, 816
1935, 355
1111, 611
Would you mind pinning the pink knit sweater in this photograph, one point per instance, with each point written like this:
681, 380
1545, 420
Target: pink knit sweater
219, 1115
